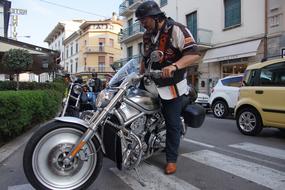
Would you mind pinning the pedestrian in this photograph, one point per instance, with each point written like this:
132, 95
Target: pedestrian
180, 51
96, 83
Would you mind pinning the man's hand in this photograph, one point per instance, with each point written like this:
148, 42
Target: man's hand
167, 72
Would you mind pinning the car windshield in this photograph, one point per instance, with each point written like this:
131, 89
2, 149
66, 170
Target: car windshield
130, 67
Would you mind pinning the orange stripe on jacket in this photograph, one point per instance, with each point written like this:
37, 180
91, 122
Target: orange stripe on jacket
173, 91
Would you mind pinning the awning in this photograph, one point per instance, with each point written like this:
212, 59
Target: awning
246, 49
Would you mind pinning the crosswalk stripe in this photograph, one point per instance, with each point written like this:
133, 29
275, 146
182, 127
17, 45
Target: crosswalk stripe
259, 174
198, 143
264, 150
21, 187
151, 178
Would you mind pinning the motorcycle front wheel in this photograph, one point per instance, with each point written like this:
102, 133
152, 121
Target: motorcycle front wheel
44, 163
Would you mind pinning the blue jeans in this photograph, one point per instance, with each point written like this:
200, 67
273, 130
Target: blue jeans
171, 110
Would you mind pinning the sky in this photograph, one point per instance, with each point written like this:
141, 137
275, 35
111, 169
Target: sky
43, 15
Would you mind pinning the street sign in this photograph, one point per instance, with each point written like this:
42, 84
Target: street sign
15, 11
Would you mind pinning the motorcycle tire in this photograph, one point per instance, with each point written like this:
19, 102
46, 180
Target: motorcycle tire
43, 163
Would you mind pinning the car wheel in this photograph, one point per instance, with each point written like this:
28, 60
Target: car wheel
249, 122
220, 109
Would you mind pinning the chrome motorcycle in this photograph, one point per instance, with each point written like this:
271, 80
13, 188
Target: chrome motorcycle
128, 127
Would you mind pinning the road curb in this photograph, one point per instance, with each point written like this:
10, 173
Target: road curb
8, 149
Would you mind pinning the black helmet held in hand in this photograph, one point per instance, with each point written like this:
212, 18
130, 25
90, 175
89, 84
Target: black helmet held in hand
148, 8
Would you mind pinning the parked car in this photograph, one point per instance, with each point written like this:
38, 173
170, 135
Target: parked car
262, 98
224, 95
203, 100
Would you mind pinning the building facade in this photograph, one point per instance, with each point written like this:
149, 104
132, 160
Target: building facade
229, 34
99, 45
55, 40
132, 32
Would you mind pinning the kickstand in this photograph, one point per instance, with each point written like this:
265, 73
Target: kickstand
140, 180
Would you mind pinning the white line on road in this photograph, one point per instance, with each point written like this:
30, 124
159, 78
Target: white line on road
259, 174
259, 149
152, 178
21, 187
198, 143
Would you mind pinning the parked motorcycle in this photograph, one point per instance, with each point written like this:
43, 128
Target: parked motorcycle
128, 127
78, 98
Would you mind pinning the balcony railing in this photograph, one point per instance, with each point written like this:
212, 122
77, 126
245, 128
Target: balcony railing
98, 49
132, 32
204, 37
128, 7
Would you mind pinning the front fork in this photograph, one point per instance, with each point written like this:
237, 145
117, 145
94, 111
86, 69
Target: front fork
95, 121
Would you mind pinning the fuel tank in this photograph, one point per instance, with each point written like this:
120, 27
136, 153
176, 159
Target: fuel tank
143, 99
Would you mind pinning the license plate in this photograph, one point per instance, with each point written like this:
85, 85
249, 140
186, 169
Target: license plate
204, 105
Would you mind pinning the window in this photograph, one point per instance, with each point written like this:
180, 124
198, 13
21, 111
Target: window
249, 78
130, 26
140, 48
111, 42
232, 13
101, 44
273, 75
129, 52
101, 63
71, 49
111, 60
67, 52
191, 20
235, 81
76, 66
76, 47
101, 67
163, 2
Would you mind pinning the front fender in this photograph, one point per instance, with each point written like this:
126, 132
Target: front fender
83, 123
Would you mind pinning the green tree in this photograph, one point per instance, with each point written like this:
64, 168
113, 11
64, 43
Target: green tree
16, 61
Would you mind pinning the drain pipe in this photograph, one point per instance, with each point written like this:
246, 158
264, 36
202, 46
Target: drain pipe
265, 29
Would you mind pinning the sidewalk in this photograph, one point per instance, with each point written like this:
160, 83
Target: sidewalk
8, 149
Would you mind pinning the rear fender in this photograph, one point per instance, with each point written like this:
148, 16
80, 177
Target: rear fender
82, 123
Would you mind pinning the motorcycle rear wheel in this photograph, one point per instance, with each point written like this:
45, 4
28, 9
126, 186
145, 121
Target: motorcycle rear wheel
43, 163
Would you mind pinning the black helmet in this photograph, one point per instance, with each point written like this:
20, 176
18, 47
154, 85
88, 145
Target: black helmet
148, 8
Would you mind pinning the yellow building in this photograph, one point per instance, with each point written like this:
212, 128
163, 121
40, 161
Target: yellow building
99, 45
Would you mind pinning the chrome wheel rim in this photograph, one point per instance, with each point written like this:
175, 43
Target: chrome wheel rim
219, 109
50, 167
247, 121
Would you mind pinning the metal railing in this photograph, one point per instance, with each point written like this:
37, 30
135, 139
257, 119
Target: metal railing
98, 49
132, 30
204, 36
125, 7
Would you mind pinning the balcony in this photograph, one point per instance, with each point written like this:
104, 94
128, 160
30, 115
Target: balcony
204, 39
131, 33
99, 49
128, 7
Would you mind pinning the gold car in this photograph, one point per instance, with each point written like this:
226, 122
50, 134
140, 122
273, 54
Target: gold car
262, 98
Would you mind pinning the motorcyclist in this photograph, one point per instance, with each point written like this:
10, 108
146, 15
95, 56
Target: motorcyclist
180, 51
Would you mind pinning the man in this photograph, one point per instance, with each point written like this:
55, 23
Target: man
180, 51
96, 83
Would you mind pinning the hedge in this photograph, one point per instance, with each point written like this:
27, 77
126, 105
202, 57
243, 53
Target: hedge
22, 109
11, 85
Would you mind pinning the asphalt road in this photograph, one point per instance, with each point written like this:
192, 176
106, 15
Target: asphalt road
214, 157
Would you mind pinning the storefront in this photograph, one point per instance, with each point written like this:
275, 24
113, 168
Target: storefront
228, 60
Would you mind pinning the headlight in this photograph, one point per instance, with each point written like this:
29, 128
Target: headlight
77, 89
103, 98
